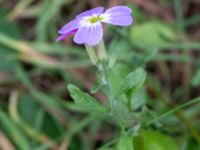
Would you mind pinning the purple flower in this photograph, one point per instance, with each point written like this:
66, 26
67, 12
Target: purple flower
87, 25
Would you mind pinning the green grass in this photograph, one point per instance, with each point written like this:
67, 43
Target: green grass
37, 111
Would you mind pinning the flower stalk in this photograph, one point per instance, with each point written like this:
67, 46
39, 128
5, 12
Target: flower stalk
103, 72
92, 54
101, 51
98, 56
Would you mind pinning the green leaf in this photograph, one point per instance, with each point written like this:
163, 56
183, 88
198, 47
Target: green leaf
84, 100
133, 80
28, 108
117, 74
158, 33
154, 140
138, 99
121, 114
191, 144
112, 60
196, 78
95, 88
7, 56
6, 26
138, 143
125, 143
150, 53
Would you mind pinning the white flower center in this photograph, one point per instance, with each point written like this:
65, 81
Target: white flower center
91, 20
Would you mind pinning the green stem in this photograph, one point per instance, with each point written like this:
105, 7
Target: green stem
173, 110
193, 101
98, 56
103, 68
103, 72
112, 142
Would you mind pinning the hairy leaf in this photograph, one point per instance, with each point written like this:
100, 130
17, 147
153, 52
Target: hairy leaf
84, 100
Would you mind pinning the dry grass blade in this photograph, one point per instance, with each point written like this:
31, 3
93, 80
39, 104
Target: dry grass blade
5, 143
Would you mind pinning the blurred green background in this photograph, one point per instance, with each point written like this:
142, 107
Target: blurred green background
36, 111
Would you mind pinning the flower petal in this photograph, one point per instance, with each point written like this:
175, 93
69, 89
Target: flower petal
119, 15
62, 37
91, 35
119, 20
119, 10
74, 24
94, 11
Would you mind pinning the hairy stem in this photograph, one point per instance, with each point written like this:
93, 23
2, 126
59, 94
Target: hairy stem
103, 70
98, 56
